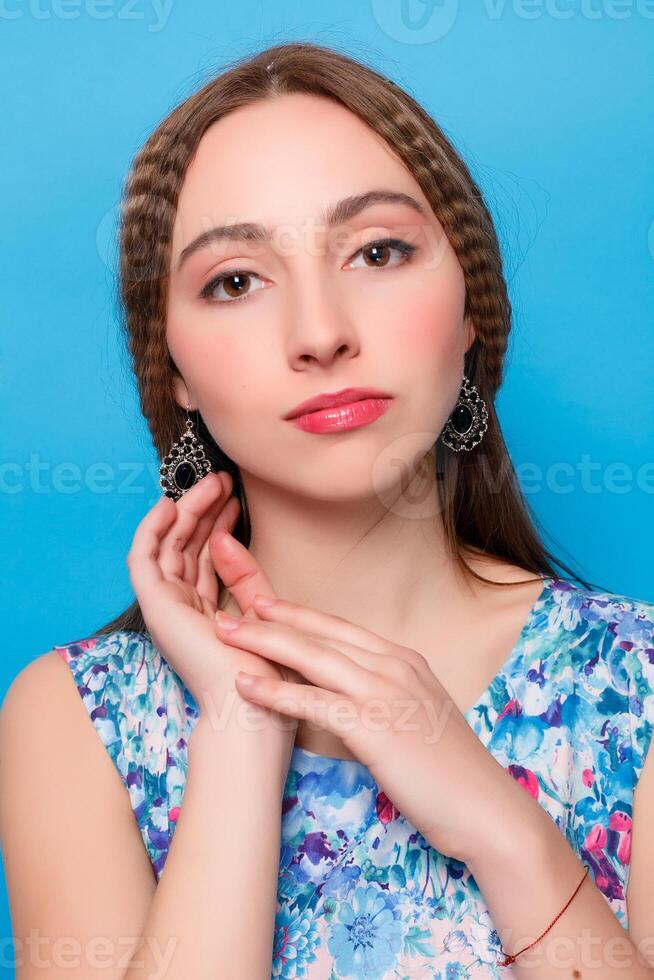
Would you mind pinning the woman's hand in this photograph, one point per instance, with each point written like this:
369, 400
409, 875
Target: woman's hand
390, 711
175, 553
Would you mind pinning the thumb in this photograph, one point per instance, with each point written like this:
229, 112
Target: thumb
239, 570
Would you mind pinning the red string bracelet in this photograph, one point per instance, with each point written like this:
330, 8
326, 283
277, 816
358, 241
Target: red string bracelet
508, 958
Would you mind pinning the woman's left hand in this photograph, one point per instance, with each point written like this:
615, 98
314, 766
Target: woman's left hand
384, 702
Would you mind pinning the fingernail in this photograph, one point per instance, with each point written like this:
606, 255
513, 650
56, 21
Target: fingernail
225, 621
247, 680
264, 600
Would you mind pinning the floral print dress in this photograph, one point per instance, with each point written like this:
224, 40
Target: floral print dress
360, 892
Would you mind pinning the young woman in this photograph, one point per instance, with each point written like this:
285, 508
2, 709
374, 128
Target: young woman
427, 758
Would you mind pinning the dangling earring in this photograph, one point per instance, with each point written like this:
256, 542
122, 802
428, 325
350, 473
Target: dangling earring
468, 422
185, 464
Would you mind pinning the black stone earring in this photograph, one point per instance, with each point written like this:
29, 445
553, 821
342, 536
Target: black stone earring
468, 422
185, 464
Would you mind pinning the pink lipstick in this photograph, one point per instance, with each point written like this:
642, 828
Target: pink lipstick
338, 418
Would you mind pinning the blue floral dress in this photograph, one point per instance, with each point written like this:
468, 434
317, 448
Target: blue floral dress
360, 892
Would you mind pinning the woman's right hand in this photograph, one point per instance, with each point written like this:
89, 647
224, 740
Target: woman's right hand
175, 552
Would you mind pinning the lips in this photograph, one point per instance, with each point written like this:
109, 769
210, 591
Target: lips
333, 399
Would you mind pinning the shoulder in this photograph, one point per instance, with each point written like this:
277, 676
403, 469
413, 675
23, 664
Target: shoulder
37, 695
600, 676
624, 617
44, 733
126, 683
606, 627
65, 818
138, 704
142, 712
609, 638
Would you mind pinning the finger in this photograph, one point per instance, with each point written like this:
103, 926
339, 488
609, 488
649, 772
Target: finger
142, 559
239, 570
323, 624
399, 671
191, 507
207, 581
397, 663
209, 521
322, 708
317, 661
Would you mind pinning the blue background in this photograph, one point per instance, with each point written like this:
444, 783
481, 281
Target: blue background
552, 111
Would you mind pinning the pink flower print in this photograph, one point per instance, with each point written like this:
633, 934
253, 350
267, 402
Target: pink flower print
89, 644
527, 779
588, 777
173, 813
621, 822
596, 838
511, 707
386, 811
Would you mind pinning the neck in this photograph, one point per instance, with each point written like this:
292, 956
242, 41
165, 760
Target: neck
379, 562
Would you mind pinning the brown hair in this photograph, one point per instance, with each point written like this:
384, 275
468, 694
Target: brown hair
475, 515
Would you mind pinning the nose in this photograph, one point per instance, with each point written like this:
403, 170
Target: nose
320, 330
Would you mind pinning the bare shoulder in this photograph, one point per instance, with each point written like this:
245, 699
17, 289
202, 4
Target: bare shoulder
42, 710
74, 860
41, 703
510, 594
497, 569
31, 687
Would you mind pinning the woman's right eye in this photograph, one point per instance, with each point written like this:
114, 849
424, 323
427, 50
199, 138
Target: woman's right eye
234, 279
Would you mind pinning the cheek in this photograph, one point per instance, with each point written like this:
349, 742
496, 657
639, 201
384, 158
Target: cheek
232, 384
433, 332
211, 363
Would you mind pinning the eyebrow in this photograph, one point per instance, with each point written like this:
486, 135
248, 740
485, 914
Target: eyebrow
334, 215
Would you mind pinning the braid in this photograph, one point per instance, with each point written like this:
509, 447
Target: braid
147, 218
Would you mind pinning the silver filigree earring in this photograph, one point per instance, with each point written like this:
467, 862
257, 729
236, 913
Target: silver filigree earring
185, 464
468, 422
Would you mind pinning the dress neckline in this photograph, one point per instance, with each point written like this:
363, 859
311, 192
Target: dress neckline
548, 583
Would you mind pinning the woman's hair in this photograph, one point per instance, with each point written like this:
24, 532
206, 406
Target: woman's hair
482, 506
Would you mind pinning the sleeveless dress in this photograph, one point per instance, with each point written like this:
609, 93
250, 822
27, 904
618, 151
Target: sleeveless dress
361, 893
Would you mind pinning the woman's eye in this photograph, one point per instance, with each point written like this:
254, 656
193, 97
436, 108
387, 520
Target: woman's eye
378, 252
235, 284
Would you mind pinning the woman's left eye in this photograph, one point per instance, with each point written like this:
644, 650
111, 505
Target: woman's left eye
379, 249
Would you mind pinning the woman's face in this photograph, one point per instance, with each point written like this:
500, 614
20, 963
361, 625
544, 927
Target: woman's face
314, 309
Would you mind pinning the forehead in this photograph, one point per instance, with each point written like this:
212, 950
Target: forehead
282, 161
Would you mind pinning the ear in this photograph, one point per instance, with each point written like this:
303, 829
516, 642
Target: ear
469, 333
180, 390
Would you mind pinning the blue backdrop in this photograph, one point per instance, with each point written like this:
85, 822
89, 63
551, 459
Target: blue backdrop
551, 104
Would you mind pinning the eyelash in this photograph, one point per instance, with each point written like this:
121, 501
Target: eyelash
397, 243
